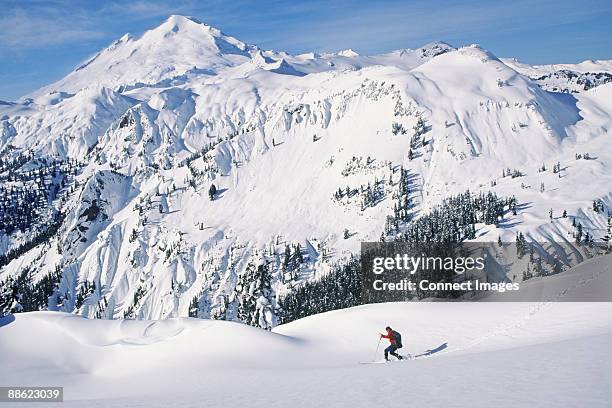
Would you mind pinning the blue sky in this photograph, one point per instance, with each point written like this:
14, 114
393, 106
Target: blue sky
41, 41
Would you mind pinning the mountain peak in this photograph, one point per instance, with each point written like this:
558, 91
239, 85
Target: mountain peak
177, 23
436, 48
349, 53
169, 50
193, 30
183, 24
180, 19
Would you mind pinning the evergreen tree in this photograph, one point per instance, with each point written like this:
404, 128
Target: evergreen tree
339, 289
254, 296
397, 128
212, 191
287, 258
521, 245
193, 307
578, 233
420, 127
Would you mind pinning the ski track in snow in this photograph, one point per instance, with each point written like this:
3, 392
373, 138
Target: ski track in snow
507, 328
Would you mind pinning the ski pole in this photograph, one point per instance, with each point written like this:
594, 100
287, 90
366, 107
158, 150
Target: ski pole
377, 346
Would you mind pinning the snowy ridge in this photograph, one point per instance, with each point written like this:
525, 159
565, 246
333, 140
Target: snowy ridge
582, 67
570, 78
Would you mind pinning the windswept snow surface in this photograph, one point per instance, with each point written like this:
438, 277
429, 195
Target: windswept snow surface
523, 354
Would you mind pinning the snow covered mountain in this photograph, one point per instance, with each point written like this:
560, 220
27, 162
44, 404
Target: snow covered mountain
309, 155
179, 47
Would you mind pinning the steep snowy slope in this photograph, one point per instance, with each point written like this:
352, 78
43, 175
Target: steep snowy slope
68, 125
551, 353
309, 156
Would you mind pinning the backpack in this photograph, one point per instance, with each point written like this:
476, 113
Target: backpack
398, 339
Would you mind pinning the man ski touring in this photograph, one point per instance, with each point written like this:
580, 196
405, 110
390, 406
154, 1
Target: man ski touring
396, 343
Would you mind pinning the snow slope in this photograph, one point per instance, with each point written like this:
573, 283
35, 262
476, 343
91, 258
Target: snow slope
156, 120
545, 354
68, 125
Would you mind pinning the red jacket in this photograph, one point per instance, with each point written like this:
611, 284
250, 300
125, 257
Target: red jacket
389, 336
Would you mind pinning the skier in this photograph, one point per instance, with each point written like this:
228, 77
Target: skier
396, 343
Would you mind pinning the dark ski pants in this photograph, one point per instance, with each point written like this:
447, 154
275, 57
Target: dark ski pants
391, 350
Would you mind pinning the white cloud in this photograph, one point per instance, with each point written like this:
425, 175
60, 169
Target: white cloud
21, 28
